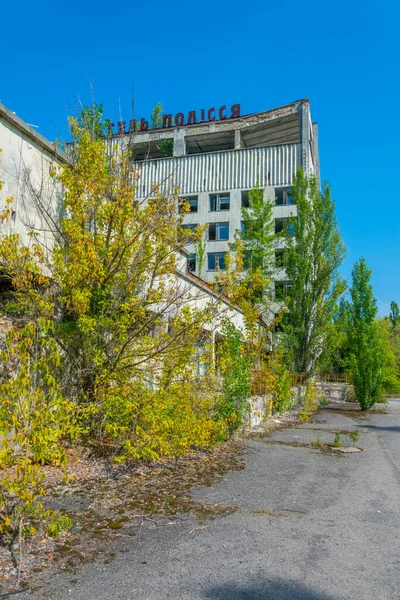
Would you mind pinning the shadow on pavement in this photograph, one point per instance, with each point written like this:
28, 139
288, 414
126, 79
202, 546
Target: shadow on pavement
394, 428
271, 589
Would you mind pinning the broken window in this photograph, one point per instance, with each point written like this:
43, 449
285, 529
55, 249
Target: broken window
283, 197
245, 200
218, 231
219, 202
216, 260
284, 226
280, 258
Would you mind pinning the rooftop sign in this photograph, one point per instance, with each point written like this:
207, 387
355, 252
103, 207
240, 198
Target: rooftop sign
168, 121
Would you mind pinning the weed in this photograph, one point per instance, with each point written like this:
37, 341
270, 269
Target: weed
353, 435
336, 441
58, 525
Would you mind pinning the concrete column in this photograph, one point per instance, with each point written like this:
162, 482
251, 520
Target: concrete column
238, 139
179, 142
305, 136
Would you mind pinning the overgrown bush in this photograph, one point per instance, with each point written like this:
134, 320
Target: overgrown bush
310, 404
35, 419
235, 367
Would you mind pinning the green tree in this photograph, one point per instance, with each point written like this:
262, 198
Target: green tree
235, 366
165, 147
390, 367
394, 314
124, 324
258, 236
314, 253
366, 353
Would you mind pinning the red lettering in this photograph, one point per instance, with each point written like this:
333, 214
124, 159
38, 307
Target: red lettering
179, 119
192, 118
211, 114
235, 111
110, 128
144, 125
202, 115
222, 113
132, 126
167, 121
121, 127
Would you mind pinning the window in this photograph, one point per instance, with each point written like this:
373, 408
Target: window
218, 231
190, 227
287, 198
245, 200
216, 260
191, 263
219, 202
280, 225
193, 202
283, 197
280, 258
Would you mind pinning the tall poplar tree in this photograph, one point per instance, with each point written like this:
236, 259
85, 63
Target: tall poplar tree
314, 253
258, 237
365, 342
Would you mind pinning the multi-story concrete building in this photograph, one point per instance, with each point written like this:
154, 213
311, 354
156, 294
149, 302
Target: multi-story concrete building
215, 163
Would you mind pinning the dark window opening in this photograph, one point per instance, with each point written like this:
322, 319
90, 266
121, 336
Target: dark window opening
284, 226
219, 202
280, 258
218, 231
191, 263
245, 200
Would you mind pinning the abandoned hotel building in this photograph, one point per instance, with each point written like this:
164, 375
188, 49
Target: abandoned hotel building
213, 157
216, 158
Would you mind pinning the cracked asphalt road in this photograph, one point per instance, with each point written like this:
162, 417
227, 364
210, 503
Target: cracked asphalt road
310, 525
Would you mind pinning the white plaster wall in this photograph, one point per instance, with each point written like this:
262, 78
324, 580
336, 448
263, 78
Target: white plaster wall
24, 164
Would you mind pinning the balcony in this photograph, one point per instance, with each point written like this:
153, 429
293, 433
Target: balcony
218, 171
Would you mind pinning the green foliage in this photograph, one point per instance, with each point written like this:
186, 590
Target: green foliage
156, 116
310, 404
365, 342
258, 236
314, 254
165, 147
278, 381
118, 312
394, 314
58, 525
353, 435
337, 440
91, 120
235, 367
35, 420
200, 246
389, 342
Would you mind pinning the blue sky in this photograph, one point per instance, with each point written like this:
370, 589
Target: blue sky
343, 55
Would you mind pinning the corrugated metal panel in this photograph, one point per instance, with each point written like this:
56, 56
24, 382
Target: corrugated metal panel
217, 171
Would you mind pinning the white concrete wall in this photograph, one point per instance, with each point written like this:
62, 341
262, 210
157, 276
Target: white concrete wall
26, 160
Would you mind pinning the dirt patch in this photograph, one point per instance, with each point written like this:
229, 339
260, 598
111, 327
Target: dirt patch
106, 501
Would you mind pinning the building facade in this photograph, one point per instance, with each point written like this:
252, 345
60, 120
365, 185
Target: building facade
214, 165
26, 163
